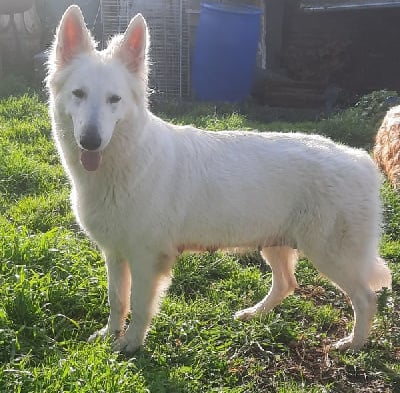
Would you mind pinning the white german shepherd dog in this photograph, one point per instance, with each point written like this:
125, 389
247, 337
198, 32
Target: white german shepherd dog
145, 190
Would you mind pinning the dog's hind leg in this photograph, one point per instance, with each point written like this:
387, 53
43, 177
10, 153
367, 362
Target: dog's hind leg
351, 275
282, 261
119, 286
363, 301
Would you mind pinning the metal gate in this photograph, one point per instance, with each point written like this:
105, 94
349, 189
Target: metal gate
169, 50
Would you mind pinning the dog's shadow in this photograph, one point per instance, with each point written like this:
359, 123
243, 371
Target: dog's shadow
158, 373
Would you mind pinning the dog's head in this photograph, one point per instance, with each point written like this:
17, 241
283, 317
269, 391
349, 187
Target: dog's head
92, 91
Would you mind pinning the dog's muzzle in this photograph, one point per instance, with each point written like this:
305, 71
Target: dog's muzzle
90, 141
90, 138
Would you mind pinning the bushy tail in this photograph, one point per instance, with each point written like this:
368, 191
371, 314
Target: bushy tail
380, 275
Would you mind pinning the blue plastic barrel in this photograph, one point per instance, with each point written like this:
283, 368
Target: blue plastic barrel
225, 51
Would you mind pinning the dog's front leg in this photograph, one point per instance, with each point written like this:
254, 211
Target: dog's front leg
151, 275
119, 285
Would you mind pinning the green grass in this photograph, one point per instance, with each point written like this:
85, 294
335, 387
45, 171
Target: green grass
53, 290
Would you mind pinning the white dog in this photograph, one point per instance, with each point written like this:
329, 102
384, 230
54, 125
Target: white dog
146, 190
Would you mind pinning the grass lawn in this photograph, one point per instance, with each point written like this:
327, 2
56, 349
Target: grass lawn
53, 291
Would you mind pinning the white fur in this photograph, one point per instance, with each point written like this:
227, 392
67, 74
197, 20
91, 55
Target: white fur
161, 189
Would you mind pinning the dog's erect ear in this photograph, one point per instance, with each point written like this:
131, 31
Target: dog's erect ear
72, 37
134, 44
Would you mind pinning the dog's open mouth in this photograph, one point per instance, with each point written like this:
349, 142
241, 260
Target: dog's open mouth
90, 160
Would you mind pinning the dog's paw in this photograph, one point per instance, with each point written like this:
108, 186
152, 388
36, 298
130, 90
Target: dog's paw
103, 333
347, 343
123, 345
99, 334
246, 314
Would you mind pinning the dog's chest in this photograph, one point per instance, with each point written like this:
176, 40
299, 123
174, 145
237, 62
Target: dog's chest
106, 213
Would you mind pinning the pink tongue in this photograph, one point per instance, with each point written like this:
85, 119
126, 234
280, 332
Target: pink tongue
90, 160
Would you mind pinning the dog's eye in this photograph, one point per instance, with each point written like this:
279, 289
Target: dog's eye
79, 93
114, 99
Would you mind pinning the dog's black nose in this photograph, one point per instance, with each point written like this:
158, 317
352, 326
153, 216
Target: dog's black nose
90, 138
